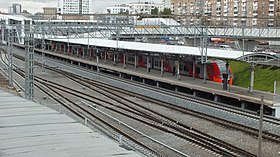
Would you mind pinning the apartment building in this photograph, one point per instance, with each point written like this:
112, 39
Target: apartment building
50, 13
166, 3
144, 7
75, 7
277, 7
188, 8
277, 13
118, 9
228, 12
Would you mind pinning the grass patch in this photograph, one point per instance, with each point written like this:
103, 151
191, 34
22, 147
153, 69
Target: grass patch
263, 79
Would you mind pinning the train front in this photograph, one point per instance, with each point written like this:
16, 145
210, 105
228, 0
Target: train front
219, 68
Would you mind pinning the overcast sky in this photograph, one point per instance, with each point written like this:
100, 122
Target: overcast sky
34, 6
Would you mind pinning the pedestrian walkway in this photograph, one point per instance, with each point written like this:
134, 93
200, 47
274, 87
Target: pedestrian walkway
28, 129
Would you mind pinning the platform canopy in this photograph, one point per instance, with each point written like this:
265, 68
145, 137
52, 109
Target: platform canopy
259, 57
150, 47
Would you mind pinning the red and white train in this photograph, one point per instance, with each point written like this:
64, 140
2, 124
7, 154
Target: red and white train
214, 69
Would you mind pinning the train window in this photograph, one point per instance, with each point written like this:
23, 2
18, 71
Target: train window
180, 67
186, 68
197, 70
131, 58
157, 63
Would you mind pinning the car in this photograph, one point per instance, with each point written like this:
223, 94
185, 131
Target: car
171, 43
225, 47
180, 43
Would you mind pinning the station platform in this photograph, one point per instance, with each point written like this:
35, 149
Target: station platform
190, 82
28, 129
236, 96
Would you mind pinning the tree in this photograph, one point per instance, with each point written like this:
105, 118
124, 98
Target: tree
154, 11
166, 11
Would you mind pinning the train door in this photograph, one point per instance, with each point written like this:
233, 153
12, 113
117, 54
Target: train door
131, 58
142, 61
181, 67
70, 50
109, 56
207, 70
188, 67
121, 58
198, 71
79, 52
156, 64
210, 71
152, 62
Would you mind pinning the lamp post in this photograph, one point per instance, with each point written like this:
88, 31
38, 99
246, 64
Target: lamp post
260, 127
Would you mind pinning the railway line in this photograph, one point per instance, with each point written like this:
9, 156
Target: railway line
153, 119
159, 118
166, 124
217, 105
268, 120
109, 89
82, 111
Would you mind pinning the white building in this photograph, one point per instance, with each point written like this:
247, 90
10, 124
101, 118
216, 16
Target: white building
75, 7
144, 7
14, 9
118, 9
166, 3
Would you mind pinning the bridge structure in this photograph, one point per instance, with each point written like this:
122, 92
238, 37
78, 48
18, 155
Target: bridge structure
149, 27
129, 26
109, 30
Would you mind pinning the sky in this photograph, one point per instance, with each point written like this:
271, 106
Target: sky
34, 6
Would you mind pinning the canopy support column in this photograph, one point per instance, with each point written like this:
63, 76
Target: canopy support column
251, 87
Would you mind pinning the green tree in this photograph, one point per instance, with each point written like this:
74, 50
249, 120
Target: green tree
154, 11
166, 11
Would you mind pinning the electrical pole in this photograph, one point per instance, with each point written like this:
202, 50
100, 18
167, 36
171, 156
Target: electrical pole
203, 36
43, 53
10, 57
29, 61
260, 128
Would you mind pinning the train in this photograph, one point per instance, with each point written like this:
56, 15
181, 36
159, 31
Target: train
214, 68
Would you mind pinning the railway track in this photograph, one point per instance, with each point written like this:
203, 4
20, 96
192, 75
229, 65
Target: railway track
183, 132
244, 114
268, 120
160, 118
200, 101
164, 124
87, 113
83, 111
171, 125
253, 131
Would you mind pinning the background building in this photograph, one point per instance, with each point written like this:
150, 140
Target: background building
189, 8
50, 13
277, 13
75, 7
166, 3
118, 9
227, 12
14, 9
144, 7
